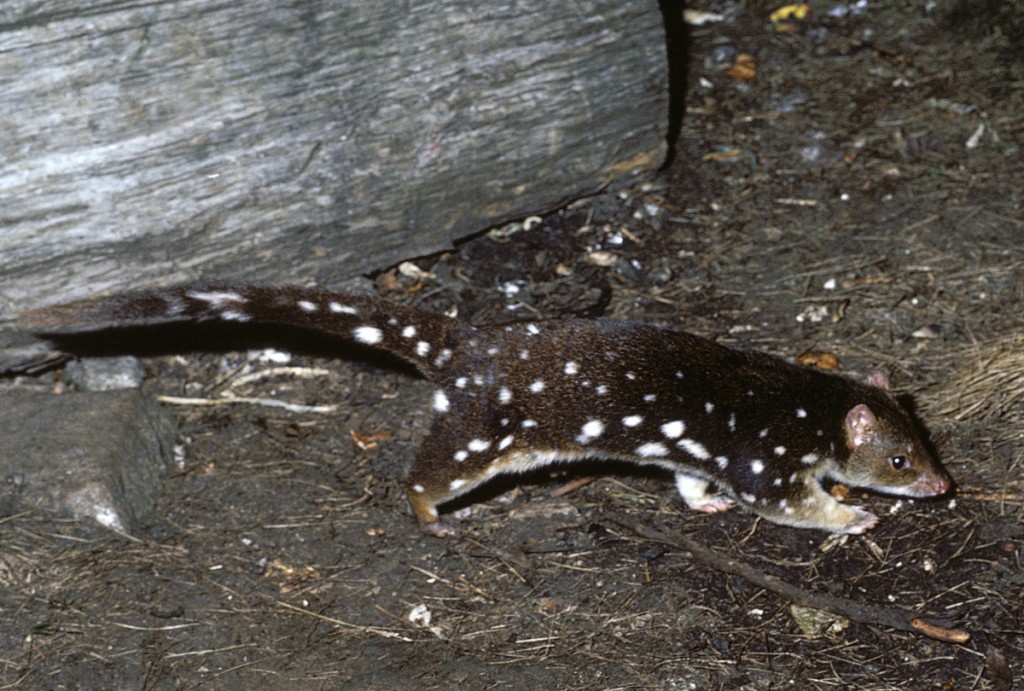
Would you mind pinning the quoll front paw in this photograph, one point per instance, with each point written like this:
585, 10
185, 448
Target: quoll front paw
862, 522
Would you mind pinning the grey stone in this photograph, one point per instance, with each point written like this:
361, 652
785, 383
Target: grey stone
98, 455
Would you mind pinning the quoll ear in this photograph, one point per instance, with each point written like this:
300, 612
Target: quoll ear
860, 425
879, 380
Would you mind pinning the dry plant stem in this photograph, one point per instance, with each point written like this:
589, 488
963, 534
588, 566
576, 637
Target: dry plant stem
855, 611
373, 630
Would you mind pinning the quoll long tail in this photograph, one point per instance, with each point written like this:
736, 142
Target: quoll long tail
423, 338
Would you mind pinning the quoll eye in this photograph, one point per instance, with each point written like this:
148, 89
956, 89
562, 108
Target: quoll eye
899, 462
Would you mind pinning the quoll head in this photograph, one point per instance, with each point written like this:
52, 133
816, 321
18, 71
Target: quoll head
887, 453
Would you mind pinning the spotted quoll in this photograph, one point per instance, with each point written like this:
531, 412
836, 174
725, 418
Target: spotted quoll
734, 427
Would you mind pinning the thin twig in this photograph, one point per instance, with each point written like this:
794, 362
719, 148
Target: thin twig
383, 633
267, 402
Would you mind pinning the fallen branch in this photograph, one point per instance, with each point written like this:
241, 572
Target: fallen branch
899, 619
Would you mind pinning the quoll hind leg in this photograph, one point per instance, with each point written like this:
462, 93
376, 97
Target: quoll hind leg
425, 508
807, 505
440, 473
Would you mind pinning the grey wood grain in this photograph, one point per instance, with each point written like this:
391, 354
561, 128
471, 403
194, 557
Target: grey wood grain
155, 142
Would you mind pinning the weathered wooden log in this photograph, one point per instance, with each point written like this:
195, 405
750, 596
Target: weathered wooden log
303, 140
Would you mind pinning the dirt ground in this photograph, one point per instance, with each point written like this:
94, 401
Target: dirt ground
855, 188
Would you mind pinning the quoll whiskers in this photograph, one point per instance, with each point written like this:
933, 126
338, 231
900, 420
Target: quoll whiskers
734, 427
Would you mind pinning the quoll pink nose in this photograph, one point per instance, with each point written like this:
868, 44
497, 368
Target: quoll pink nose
940, 483
930, 484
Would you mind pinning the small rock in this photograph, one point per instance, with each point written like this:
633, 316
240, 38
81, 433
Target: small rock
106, 373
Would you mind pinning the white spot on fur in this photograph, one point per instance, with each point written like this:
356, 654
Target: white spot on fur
216, 298
632, 420
339, 308
532, 329
631, 375
409, 331
809, 459
694, 448
800, 412
461, 382
780, 450
234, 316
693, 490
571, 368
709, 407
441, 403
794, 477
422, 348
763, 433
777, 482
524, 354
505, 442
369, 335
748, 497
591, 430
537, 386
529, 423
722, 462
756, 467
307, 306
461, 455
478, 445
492, 351
601, 390
419, 488
652, 448
674, 429
650, 398
504, 395
732, 422
456, 485
443, 357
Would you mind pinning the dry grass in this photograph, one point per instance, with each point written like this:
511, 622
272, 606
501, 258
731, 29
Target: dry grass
988, 382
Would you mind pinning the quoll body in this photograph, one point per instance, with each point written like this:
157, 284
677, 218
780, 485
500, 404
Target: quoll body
734, 427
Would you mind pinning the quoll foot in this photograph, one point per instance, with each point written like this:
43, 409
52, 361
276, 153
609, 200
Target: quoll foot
438, 529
